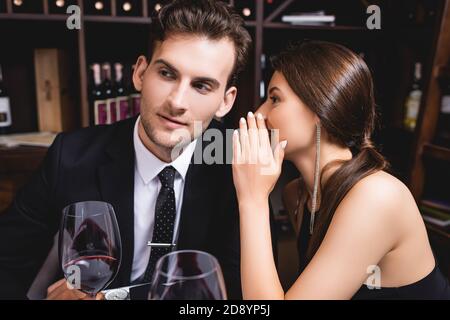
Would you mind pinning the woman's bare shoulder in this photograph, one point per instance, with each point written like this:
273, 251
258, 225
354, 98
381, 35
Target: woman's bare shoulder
381, 192
381, 183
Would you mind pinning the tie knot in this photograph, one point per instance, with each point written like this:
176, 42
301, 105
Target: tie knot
167, 177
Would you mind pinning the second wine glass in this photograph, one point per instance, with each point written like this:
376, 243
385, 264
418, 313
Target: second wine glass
188, 275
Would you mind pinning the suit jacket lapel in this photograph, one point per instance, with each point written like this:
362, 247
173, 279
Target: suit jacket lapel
198, 203
116, 182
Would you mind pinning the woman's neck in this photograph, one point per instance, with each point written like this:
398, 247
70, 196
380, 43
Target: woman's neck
305, 162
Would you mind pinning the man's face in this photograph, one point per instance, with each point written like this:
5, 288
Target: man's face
184, 82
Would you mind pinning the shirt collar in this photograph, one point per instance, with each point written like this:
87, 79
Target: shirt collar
148, 165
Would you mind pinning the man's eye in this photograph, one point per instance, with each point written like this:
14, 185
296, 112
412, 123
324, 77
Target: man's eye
202, 87
166, 73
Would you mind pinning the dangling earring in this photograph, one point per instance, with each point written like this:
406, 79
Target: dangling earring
316, 180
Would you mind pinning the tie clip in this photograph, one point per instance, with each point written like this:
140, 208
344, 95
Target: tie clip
160, 245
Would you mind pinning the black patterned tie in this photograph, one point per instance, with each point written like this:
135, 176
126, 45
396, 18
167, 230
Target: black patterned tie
165, 212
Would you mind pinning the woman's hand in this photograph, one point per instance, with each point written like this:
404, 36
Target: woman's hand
256, 167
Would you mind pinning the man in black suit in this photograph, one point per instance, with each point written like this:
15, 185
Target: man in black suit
198, 49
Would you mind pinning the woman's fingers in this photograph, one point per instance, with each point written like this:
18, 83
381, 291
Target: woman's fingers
251, 121
274, 168
279, 153
244, 140
253, 137
275, 138
252, 143
263, 133
237, 157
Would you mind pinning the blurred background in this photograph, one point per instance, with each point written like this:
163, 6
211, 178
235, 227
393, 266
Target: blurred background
54, 79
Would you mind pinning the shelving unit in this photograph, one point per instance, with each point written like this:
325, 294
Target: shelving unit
264, 24
436, 152
431, 162
16, 167
428, 118
389, 52
142, 21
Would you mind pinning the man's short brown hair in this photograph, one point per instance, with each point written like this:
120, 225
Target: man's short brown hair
213, 19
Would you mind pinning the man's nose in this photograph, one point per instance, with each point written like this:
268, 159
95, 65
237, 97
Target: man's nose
178, 97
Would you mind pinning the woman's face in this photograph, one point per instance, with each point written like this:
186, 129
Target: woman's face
283, 110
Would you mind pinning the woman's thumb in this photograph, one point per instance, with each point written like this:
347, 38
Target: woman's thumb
279, 151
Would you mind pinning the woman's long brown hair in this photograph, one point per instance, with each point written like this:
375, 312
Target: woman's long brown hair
337, 86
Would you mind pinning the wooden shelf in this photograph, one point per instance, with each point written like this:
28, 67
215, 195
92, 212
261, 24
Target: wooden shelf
400, 129
33, 16
430, 105
443, 235
62, 17
17, 165
21, 158
117, 19
281, 25
442, 72
436, 152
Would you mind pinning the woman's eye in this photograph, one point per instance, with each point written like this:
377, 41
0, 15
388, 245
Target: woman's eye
274, 99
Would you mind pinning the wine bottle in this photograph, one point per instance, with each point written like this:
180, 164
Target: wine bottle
97, 96
5, 108
410, 13
122, 100
108, 91
3, 7
412, 103
443, 130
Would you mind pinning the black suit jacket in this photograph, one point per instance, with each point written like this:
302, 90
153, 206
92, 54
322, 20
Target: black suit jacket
98, 163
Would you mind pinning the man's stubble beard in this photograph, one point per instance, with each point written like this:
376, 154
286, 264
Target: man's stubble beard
152, 135
167, 146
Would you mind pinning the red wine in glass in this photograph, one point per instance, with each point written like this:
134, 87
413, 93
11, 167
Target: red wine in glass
89, 246
95, 272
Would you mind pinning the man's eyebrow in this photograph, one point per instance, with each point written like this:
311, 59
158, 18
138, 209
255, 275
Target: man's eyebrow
168, 65
214, 83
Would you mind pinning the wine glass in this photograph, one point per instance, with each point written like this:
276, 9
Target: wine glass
187, 275
90, 249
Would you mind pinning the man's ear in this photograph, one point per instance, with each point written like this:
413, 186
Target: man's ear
139, 70
227, 103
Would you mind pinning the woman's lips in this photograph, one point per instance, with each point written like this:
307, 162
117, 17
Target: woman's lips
171, 123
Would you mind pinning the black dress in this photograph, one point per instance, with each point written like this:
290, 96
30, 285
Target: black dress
434, 286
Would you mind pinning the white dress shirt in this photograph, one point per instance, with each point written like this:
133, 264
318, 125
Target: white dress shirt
146, 189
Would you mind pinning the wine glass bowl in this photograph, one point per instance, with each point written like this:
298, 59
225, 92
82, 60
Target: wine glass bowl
89, 246
187, 275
